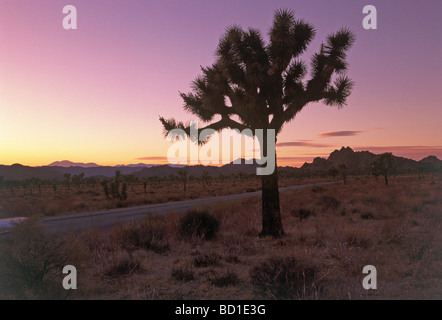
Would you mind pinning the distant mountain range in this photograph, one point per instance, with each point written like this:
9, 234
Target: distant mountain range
356, 162
67, 164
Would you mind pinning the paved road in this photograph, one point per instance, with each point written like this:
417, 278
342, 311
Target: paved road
108, 218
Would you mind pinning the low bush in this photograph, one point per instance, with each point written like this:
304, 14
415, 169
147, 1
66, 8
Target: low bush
183, 273
206, 260
120, 263
199, 224
326, 202
230, 278
301, 213
149, 234
31, 263
285, 278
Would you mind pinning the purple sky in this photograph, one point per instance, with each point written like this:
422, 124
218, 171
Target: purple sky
94, 94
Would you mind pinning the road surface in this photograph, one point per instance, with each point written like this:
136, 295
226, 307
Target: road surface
108, 218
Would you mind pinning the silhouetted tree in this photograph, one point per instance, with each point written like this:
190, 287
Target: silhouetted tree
254, 85
77, 180
333, 172
234, 177
205, 178
112, 190
1, 183
382, 165
105, 188
145, 185
67, 177
183, 178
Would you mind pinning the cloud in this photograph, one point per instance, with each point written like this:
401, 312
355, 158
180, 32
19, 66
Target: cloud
302, 144
339, 133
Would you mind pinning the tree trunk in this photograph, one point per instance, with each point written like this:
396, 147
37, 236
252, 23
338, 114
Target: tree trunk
271, 212
386, 179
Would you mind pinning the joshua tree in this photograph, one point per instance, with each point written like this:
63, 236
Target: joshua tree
205, 178
183, 177
145, 185
333, 172
113, 191
78, 180
253, 85
382, 165
67, 176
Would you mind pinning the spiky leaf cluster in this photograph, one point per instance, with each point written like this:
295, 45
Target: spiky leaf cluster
260, 86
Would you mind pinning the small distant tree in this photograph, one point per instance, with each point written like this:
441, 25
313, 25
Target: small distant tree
67, 177
91, 181
77, 180
382, 165
205, 178
343, 171
1, 183
333, 172
183, 177
145, 185
112, 190
234, 177
105, 188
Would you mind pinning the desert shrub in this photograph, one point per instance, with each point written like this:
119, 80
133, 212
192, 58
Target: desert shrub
327, 202
367, 216
301, 213
149, 234
199, 224
230, 278
285, 278
318, 189
183, 273
120, 263
232, 259
31, 263
206, 260
355, 210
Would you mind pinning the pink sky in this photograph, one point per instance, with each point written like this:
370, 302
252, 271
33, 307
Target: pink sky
94, 94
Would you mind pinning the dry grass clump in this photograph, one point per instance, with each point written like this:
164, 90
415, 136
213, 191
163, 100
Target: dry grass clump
198, 225
326, 202
148, 234
206, 260
224, 279
286, 278
183, 273
117, 264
